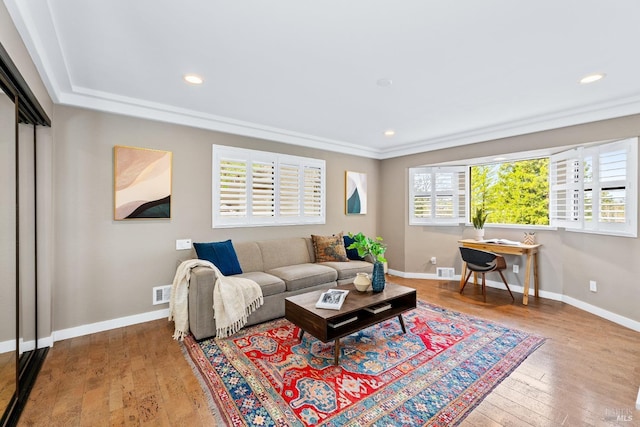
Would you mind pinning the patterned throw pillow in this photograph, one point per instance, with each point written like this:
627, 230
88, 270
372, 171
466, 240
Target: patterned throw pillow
329, 248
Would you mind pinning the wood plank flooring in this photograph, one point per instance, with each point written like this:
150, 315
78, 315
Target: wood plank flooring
586, 374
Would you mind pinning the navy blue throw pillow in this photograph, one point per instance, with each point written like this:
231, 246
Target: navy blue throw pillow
220, 254
352, 254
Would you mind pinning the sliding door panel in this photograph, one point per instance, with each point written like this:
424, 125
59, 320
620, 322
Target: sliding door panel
8, 271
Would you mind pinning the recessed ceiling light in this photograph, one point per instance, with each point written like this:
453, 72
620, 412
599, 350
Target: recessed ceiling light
384, 82
389, 132
590, 78
194, 79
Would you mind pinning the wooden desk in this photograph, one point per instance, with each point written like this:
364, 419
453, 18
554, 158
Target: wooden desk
531, 251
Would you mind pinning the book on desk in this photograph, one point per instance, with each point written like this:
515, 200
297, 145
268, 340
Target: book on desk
501, 242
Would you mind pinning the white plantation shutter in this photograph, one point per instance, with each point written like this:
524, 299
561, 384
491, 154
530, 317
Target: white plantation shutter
255, 188
263, 190
594, 188
565, 187
437, 195
289, 190
313, 192
232, 187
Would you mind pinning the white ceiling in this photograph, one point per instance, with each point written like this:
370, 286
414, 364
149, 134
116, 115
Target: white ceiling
306, 73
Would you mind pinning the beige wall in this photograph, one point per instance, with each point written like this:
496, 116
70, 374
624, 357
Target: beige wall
567, 260
105, 269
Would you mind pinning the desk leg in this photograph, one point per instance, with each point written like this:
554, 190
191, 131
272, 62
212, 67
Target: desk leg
336, 353
527, 280
535, 274
463, 275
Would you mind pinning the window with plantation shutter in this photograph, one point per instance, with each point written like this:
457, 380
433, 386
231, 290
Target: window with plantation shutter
257, 188
437, 195
594, 188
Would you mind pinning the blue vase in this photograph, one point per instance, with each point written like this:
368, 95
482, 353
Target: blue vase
377, 279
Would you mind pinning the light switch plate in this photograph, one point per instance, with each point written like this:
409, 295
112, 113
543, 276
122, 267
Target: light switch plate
183, 244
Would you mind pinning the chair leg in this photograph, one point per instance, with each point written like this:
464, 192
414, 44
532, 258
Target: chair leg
465, 282
484, 290
506, 284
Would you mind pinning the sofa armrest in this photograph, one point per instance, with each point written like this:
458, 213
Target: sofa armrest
201, 285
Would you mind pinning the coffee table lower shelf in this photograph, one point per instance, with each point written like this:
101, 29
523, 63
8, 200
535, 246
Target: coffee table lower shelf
355, 315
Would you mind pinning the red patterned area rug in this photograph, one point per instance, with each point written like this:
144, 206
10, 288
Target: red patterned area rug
433, 375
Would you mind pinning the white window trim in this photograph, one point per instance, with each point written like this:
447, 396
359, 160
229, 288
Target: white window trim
221, 153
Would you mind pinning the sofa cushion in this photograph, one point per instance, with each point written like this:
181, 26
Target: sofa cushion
302, 276
282, 252
249, 255
270, 285
329, 248
220, 254
352, 254
349, 270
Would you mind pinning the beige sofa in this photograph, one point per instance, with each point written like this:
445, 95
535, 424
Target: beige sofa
281, 267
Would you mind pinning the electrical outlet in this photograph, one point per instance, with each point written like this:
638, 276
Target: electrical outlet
593, 286
516, 268
183, 244
434, 260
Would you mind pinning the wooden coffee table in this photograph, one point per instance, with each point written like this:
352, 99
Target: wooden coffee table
327, 325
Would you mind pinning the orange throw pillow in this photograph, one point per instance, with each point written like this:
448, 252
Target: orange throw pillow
329, 248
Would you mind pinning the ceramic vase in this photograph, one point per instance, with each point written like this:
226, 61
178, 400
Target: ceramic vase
479, 233
362, 282
378, 279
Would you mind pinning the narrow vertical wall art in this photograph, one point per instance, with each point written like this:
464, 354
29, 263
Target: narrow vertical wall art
355, 193
142, 183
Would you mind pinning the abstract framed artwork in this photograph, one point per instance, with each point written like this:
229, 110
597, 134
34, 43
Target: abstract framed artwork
355, 193
142, 183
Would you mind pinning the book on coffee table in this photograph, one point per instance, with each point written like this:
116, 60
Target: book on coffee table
378, 308
332, 299
342, 322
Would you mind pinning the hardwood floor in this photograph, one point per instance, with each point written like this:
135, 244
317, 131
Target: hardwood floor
586, 374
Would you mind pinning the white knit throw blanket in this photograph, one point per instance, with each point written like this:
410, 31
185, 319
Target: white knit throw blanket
234, 299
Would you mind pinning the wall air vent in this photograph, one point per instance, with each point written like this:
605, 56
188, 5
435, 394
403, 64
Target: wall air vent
161, 294
445, 272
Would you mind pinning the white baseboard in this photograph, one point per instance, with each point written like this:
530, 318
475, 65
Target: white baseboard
108, 325
600, 312
10, 345
7, 346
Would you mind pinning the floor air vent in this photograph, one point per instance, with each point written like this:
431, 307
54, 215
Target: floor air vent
161, 294
445, 273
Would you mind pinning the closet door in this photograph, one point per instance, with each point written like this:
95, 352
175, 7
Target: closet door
27, 249
8, 270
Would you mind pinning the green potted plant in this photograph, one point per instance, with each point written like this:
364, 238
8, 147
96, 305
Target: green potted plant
478, 220
375, 248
